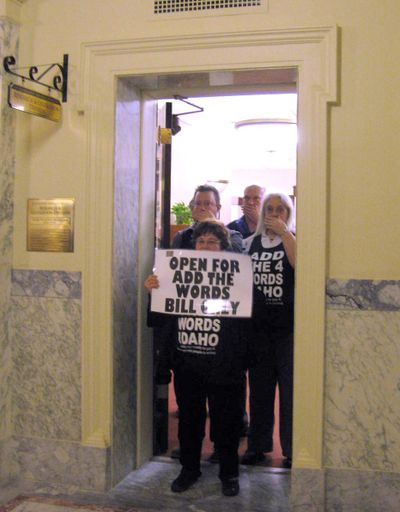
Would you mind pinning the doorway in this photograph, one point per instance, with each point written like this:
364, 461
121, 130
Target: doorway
309, 51
230, 139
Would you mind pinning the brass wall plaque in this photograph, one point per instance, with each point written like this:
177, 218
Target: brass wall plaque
164, 135
50, 225
33, 102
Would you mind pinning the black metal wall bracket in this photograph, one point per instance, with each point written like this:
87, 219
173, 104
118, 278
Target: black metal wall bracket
184, 99
60, 77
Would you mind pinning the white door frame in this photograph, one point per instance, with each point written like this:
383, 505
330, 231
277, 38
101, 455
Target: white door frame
313, 51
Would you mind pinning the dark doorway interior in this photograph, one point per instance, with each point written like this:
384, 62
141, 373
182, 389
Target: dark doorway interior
273, 459
195, 86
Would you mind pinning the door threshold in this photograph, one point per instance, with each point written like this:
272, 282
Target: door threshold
258, 467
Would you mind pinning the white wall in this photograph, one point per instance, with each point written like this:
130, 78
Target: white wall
210, 148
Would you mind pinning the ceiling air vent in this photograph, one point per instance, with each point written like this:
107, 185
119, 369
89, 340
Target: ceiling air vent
193, 7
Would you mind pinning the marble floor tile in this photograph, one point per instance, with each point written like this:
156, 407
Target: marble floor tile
148, 488
29, 506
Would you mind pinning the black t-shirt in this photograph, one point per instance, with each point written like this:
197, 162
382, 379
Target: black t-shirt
273, 276
219, 349
216, 348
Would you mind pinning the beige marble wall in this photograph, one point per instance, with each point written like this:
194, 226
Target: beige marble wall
344, 490
8, 45
45, 333
362, 405
362, 420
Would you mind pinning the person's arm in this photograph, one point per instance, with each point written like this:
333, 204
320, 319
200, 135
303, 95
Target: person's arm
161, 324
151, 282
154, 319
289, 243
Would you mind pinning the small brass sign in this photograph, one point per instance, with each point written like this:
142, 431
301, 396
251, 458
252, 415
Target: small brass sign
164, 135
33, 102
50, 225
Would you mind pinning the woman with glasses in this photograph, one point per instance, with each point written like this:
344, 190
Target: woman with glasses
212, 368
206, 204
273, 252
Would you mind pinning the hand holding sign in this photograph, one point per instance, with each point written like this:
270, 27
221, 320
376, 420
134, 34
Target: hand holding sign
151, 282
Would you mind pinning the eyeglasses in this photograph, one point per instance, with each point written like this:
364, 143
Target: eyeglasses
255, 199
279, 210
206, 204
210, 242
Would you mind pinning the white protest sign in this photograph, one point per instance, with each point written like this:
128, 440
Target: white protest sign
203, 283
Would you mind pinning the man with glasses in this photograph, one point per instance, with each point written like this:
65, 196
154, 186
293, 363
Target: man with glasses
205, 204
251, 205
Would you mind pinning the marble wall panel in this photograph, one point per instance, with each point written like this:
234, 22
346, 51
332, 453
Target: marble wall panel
126, 200
7, 466
341, 490
8, 46
5, 353
362, 394
54, 284
5, 387
45, 331
361, 491
6, 212
362, 294
307, 490
62, 462
362, 403
45, 335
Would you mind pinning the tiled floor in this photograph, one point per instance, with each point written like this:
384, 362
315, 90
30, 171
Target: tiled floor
45, 504
262, 490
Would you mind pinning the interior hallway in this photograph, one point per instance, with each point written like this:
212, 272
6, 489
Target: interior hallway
148, 488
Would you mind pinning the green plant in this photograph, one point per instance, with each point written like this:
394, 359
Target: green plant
183, 214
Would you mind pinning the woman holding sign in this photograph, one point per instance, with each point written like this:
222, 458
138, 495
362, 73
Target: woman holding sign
273, 252
208, 355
